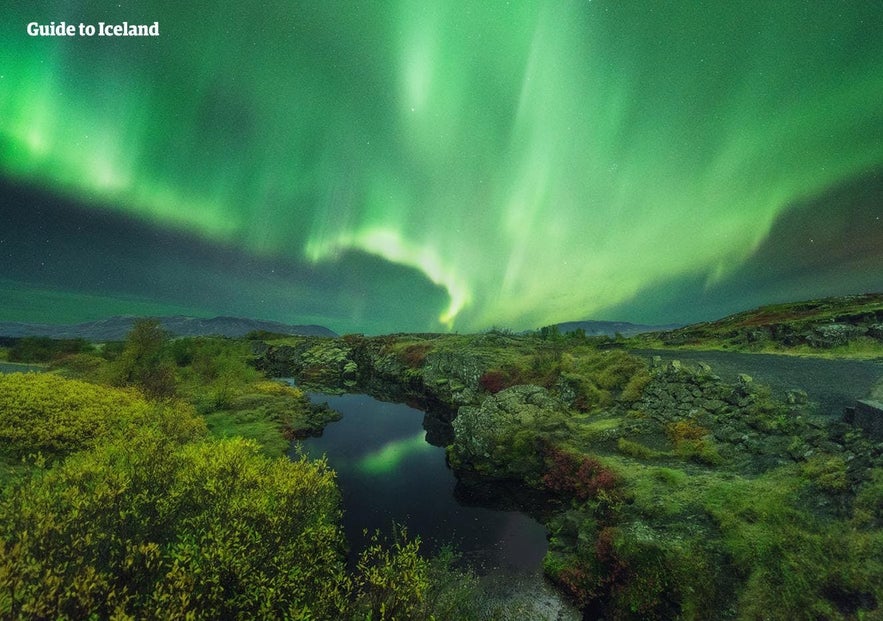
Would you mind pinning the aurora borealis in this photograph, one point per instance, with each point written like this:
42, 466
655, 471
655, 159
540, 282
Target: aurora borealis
440, 164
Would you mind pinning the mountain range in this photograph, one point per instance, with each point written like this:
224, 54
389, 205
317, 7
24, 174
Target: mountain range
116, 328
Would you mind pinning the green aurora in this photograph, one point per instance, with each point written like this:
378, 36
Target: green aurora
482, 163
391, 455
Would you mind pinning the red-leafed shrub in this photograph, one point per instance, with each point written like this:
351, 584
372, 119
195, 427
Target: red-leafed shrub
604, 548
579, 475
578, 583
494, 381
415, 355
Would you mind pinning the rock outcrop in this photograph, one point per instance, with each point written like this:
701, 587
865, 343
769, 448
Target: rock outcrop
499, 439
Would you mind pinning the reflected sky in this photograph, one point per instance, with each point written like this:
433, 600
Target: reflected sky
388, 473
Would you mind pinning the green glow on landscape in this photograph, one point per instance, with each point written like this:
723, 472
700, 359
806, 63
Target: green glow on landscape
539, 161
390, 456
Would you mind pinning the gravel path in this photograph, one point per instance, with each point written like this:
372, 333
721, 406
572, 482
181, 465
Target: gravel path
833, 384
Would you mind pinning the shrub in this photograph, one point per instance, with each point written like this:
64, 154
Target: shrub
693, 442
84, 366
41, 412
414, 354
144, 362
215, 371
685, 430
45, 349
578, 475
147, 527
494, 381
597, 376
867, 508
277, 389
392, 581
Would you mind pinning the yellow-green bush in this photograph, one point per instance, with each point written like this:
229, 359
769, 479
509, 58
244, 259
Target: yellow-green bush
41, 412
278, 389
393, 581
599, 376
149, 527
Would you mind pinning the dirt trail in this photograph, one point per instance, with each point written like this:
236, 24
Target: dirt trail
833, 384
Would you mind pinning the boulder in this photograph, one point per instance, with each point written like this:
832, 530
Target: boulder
501, 438
834, 334
460, 371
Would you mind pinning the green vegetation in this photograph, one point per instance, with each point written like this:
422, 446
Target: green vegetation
46, 414
789, 555
43, 349
127, 508
145, 361
842, 327
393, 581
146, 526
212, 375
668, 493
147, 516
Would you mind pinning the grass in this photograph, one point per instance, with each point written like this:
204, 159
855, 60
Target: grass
248, 424
862, 348
790, 329
695, 542
794, 563
635, 449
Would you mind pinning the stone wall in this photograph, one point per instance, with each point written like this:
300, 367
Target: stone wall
745, 420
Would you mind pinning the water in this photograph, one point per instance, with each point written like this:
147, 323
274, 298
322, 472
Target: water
17, 367
388, 473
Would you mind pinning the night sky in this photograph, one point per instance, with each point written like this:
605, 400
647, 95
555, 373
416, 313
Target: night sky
440, 164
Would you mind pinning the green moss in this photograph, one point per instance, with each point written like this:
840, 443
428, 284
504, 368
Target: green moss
868, 506
702, 451
249, 424
634, 388
796, 565
660, 493
598, 425
670, 476
828, 472
635, 449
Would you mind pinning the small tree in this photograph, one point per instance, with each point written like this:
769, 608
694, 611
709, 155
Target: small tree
145, 362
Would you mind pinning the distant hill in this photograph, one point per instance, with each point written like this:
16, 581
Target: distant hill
116, 328
813, 324
611, 328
